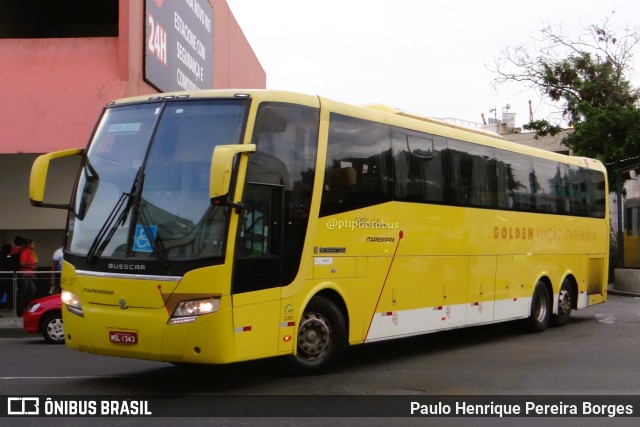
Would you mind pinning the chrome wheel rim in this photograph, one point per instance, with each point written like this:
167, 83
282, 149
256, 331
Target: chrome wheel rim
564, 302
55, 330
314, 336
540, 307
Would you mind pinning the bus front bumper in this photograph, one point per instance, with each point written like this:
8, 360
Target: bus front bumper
144, 333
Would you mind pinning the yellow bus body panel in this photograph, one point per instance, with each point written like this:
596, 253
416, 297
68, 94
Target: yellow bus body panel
399, 269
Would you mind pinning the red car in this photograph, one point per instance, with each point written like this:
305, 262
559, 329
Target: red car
44, 315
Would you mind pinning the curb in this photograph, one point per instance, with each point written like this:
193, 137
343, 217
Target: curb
11, 327
13, 332
611, 290
623, 293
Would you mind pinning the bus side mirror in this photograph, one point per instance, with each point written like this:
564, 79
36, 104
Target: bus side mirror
38, 179
222, 167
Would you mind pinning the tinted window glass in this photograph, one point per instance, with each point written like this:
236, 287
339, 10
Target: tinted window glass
595, 193
358, 167
521, 181
419, 166
277, 197
286, 139
431, 169
577, 191
471, 174
549, 186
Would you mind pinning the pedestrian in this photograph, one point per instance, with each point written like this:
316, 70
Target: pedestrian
56, 269
26, 285
6, 277
18, 245
16, 250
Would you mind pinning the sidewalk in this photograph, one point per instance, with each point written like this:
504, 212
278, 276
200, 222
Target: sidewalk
11, 327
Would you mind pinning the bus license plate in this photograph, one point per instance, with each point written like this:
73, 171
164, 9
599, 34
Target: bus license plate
123, 337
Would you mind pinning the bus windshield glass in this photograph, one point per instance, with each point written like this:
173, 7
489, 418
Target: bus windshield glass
143, 191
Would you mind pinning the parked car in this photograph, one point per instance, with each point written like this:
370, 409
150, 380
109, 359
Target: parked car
44, 315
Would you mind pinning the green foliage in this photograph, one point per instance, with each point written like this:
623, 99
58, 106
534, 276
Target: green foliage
586, 79
587, 76
609, 133
542, 128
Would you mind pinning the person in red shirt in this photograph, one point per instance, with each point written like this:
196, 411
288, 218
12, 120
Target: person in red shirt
18, 245
26, 285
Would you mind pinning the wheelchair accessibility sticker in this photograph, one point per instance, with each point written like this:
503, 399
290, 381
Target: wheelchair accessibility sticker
141, 241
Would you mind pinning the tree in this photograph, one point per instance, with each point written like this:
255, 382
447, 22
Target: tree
609, 133
587, 76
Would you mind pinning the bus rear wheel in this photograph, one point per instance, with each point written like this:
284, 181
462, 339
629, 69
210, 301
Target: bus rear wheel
565, 303
538, 319
321, 338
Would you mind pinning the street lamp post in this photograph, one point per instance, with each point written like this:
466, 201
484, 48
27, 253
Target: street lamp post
494, 110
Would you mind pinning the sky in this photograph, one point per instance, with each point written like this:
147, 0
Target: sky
430, 57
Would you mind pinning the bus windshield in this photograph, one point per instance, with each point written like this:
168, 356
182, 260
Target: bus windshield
143, 190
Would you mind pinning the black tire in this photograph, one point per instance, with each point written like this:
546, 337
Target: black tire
321, 338
52, 329
565, 303
538, 319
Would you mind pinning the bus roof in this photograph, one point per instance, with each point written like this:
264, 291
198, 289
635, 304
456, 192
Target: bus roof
428, 124
398, 112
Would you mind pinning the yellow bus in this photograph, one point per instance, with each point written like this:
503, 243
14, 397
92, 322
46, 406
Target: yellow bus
631, 235
222, 226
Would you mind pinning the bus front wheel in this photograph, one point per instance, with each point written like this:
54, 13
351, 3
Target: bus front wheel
321, 339
540, 309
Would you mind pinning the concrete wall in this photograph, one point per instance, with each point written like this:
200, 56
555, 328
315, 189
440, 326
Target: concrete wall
627, 280
54, 89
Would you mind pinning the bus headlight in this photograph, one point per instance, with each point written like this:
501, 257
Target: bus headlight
188, 310
72, 302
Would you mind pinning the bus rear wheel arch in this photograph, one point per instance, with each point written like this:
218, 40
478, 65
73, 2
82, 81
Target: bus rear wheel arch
321, 338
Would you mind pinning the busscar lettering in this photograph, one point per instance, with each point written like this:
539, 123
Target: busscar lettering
126, 267
333, 250
97, 291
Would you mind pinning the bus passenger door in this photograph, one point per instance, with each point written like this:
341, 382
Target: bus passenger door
481, 289
257, 271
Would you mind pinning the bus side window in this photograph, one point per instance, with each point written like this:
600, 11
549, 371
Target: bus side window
503, 198
341, 183
472, 171
419, 166
358, 162
401, 174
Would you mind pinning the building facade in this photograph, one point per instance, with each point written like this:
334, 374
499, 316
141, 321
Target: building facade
62, 62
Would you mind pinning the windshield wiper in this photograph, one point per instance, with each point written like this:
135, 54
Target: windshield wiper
117, 218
